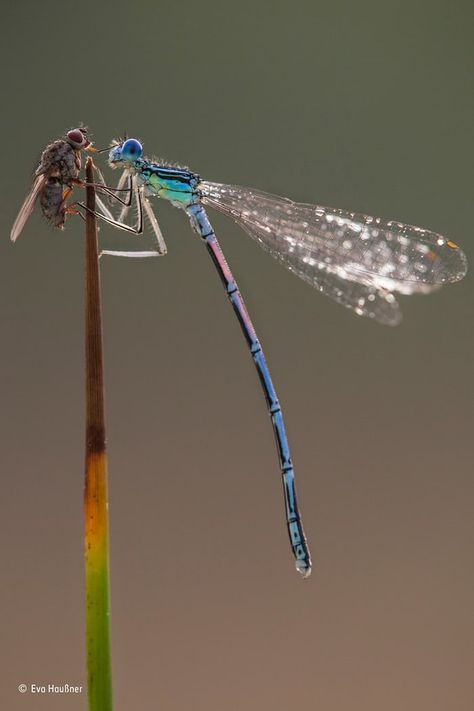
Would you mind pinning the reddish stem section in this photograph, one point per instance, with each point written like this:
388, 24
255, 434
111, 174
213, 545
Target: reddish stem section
95, 422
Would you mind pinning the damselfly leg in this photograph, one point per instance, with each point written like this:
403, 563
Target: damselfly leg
142, 204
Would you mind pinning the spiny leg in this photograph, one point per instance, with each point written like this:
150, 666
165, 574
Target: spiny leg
119, 189
107, 216
108, 190
103, 213
161, 244
138, 230
294, 524
121, 183
126, 175
155, 226
132, 183
112, 197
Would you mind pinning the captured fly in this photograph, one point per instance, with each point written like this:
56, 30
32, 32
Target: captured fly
55, 176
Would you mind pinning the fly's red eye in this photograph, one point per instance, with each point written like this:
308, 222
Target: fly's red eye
76, 136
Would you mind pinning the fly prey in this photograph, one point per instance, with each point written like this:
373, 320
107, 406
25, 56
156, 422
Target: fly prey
56, 175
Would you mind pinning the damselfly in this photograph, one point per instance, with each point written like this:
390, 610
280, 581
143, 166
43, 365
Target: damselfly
358, 260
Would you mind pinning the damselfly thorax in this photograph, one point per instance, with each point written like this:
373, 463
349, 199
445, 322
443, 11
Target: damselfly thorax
179, 186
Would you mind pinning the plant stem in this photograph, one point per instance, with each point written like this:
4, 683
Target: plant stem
96, 518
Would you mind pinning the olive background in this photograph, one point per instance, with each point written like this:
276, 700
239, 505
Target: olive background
367, 106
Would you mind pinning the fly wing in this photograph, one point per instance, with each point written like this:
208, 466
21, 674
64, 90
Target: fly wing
27, 208
324, 245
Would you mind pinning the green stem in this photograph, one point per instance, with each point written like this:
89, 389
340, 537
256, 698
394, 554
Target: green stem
96, 520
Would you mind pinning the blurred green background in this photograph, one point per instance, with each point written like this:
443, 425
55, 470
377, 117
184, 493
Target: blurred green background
367, 106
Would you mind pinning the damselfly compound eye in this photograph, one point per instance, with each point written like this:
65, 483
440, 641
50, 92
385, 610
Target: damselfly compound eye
132, 149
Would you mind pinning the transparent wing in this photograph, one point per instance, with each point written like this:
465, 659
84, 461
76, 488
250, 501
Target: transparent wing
334, 250
377, 304
27, 208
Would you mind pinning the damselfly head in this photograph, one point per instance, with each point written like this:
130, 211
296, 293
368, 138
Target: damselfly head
126, 152
78, 138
